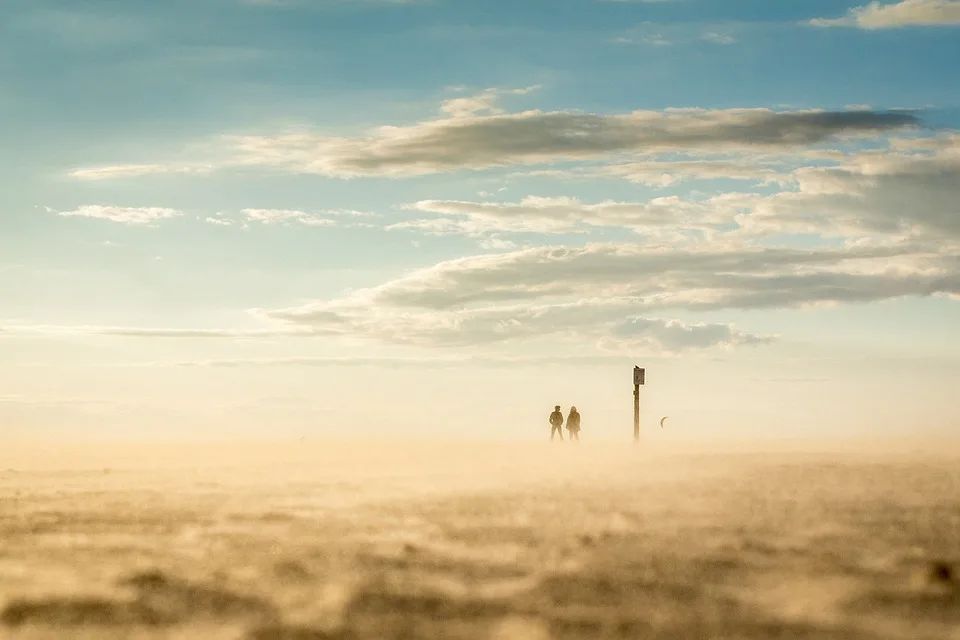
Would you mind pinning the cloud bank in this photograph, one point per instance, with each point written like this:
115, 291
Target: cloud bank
475, 134
531, 137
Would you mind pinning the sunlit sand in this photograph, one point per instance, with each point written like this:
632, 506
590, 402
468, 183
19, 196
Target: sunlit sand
318, 539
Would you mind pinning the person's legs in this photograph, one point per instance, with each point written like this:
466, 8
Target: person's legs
556, 430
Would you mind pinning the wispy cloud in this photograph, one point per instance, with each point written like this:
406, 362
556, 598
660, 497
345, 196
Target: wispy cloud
135, 170
534, 214
124, 215
876, 15
219, 221
152, 332
484, 102
274, 216
610, 323
719, 38
654, 172
393, 362
325, 218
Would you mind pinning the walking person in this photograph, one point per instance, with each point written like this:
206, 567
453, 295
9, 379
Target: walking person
573, 424
556, 423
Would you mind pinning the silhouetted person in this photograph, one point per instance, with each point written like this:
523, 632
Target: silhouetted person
573, 424
556, 422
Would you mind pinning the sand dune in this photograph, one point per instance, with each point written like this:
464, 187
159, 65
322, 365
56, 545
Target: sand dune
495, 542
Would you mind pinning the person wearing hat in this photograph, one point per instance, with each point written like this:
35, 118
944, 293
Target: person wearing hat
573, 424
556, 422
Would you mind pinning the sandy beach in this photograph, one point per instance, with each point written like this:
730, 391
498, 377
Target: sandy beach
498, 542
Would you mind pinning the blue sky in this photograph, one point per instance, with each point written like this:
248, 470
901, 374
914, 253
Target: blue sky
235, 215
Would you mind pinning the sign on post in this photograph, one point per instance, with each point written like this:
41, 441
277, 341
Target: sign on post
638, 375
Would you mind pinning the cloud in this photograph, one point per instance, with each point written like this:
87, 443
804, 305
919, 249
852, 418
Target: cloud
719, 38
673, 337
475, 133
666, 173
899, 14
896, 193
657, 40
287, 216
391, 362
136, 170
906, 190
534, 214
605, 293
653, 278
494, 242
680, 33
149, 332
125, 215
482, 141
483, 102
280, 216
607, 322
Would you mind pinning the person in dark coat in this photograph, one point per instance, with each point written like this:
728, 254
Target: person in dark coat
573, 424
556, 423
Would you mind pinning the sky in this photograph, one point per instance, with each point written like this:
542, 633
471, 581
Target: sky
375, 218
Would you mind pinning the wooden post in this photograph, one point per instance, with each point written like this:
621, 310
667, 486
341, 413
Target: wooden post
636, 412
638, 379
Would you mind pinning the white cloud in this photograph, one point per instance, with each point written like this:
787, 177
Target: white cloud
534, 214
281, 216
483, 102
494, 242
136, 170
719, 38
125, 215
899, 14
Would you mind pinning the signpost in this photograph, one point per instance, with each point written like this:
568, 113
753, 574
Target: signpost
638, 379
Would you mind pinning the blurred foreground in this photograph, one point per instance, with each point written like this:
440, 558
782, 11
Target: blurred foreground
512, 541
